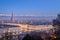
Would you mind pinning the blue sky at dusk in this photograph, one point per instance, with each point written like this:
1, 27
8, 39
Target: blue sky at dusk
30, 7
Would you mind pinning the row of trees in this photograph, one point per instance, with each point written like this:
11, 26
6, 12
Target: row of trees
56, 24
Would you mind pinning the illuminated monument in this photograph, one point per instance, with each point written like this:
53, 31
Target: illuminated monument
12, 20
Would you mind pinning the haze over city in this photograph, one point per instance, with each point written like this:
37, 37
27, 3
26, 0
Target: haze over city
29, 19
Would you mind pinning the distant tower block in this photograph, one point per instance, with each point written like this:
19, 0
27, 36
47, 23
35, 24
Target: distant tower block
2, 20
12, 20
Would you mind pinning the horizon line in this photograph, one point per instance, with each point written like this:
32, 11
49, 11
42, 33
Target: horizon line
25, 15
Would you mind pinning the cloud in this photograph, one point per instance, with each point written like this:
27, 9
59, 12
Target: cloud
5, 15
26, 15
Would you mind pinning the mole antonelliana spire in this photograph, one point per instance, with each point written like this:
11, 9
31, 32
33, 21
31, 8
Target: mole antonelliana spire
12, 20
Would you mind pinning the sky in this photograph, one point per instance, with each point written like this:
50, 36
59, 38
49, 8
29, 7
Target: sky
30, 7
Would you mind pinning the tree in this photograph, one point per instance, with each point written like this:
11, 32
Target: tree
56, 24
28, 37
